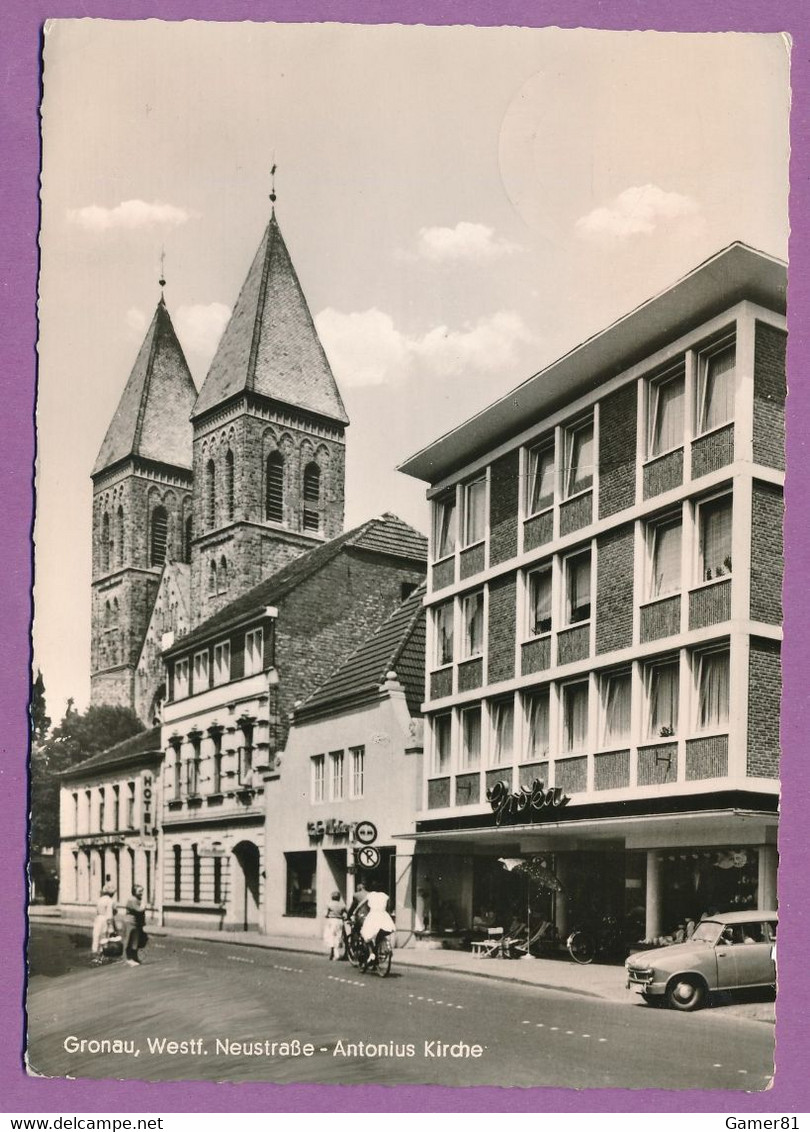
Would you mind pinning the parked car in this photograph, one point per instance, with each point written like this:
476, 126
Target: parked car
727, 951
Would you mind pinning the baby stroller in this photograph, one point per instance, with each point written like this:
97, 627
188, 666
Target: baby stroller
112, 943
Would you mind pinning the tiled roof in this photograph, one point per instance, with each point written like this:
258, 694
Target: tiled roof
385, 535
397, 646
153, 416
270, 345
144, 743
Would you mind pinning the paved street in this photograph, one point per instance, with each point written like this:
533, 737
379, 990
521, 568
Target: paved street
212, 995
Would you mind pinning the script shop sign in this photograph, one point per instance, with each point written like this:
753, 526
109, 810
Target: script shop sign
529, 803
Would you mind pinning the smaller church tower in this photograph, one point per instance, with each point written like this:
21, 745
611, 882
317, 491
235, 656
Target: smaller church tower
142, 505
269, 449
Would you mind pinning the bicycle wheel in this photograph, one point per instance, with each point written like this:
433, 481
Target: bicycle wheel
581, 947
384, 957
353, 950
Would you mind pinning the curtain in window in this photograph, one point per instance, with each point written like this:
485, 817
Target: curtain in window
441, 738
664, 696
576, 717
715, 538
445, 527
474, 624
718, 391
471, 738
503, 718
713, 691
666, 415
616, 724
580, 464
444, 634
666, 566
537, 742
541, 479
541, 602
579, 589
475, 498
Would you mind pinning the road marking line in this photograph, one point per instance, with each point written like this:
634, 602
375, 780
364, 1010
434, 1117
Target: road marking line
459, 1008
540, 1025
555, 1027
603, 1039
526, 1022
586, 1035
569, 1031
238, 959
193, 950
717, 1065
742, 1071
419, 998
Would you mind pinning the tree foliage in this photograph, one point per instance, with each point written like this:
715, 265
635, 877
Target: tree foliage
76, 738
40, 720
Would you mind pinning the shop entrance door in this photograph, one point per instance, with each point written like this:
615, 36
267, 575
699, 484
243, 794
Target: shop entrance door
245, 894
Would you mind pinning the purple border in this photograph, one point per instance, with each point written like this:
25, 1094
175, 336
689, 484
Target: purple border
19, 55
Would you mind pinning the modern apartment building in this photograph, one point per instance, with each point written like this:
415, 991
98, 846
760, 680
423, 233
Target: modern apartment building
604, 619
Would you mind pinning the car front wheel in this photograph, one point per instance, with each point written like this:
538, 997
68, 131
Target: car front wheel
686, 993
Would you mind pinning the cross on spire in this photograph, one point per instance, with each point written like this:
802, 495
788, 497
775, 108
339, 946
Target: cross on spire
273, 186
162, 280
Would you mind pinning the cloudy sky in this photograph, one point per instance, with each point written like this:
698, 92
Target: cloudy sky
462, 206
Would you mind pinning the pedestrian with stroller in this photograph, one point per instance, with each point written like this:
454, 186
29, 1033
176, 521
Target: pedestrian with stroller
135, 920
104, 922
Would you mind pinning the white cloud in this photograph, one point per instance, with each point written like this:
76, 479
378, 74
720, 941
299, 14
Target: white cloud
366, 348
465, 242
638, 210
129, 214
199, 327
136, 321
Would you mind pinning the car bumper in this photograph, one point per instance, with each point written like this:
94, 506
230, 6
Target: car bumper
645, 984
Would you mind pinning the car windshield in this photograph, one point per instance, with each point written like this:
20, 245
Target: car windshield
707, 931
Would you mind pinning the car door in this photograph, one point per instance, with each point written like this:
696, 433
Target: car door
752, 955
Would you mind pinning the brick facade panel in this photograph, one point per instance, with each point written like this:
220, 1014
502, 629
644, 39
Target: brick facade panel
472, 561
663, 474
470, 675
614, 590
617, 450
767, 553
502, 621
538, 530
713, 451
611, 770
764, 699
535, 656
441, 683
661, 619
571, 775
443, 574
710, 605
531, 772
504, 484
573, 644
576, 513
769, 395
468, 789
707, 758
658, 764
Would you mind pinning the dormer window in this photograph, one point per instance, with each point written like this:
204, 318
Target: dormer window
222, 662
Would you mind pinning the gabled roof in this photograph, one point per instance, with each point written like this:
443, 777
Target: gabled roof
386, 535
270, 345
132, 750
397, 646
153, 416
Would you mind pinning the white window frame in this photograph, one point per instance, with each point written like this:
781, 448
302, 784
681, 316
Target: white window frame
337, 776
201, 674
222, 662
441, 767
663, 523
466, 762
675, 373
725, 498
665, 731
318, 779
699, 660
607, 682
534, 457
181, 688
720, 346
496, 756
357, 771
445, 547
440, 612
568, 561
531, 623
474, 489
531, 756
254, 651
567, 739
468, 650
570, 434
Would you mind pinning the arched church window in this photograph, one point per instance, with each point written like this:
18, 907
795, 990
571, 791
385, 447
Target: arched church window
212, 578
187, 540
107, 615
159, 537
229, 489
115, 613
105, 542
312, 497
210, 493
119, 538
222, 576
274, 488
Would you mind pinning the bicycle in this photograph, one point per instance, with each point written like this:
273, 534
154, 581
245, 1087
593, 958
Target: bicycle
584, 944
381, 960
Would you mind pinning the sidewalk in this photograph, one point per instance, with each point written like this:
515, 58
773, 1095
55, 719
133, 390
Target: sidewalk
594, 980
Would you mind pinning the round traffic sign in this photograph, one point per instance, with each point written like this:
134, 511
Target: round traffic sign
368, 856
366, 832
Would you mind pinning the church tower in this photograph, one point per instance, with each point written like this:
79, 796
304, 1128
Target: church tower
142, 506
269, 449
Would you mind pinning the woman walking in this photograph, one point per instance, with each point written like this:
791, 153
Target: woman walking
333, 926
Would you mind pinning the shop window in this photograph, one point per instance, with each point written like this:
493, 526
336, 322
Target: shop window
537, 725
714, 524
254, 652
442, 730
502, 714
444, 525
662, 685
664, 557
615, 707
357, 770
318, 777
474, 496
301, 893
472, 619
336, 769
222, 662
443, 626
274, 488
540, 478
578, 588
665, 411
575, 717
201, 678
713, 675
471, 738
579, 457
715, 386
540, 601
181, 678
